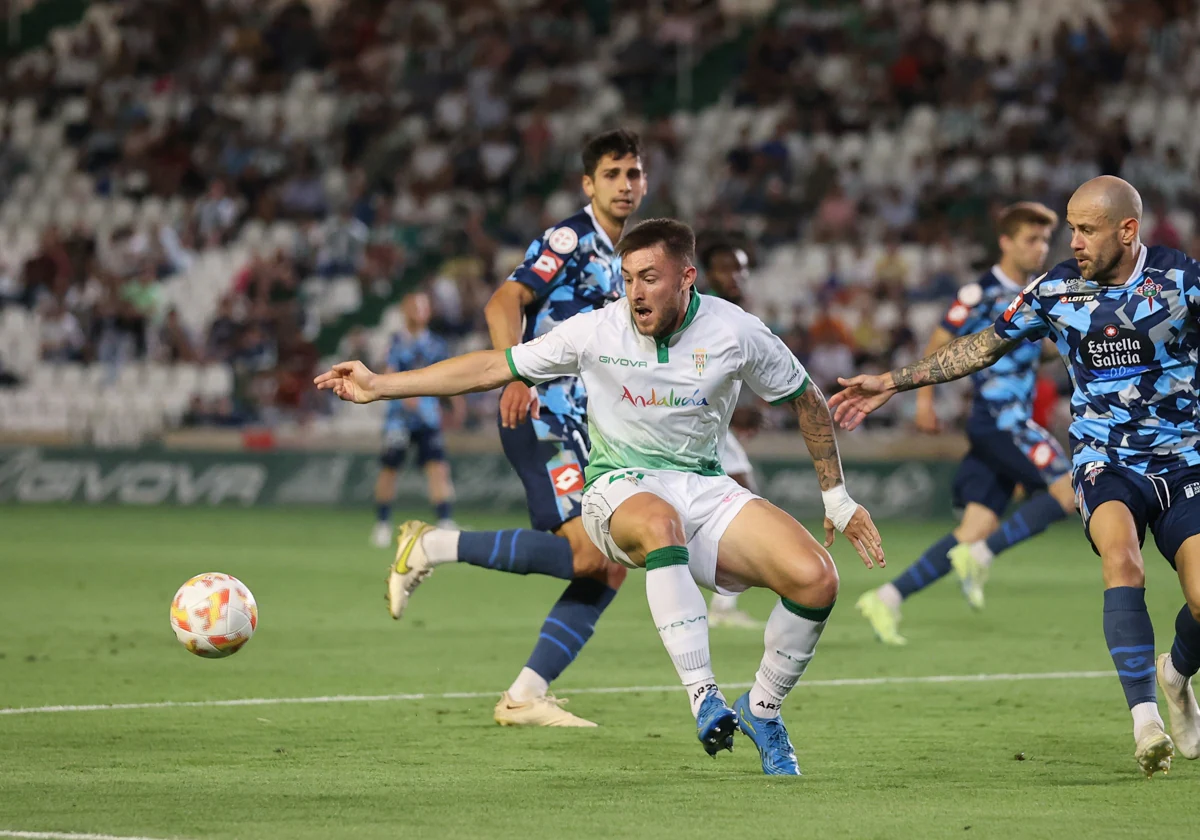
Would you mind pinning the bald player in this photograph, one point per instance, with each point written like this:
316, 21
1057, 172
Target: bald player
1124, 318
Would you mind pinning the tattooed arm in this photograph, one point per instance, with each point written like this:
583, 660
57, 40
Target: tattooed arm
816, 425
841, 512
959, 358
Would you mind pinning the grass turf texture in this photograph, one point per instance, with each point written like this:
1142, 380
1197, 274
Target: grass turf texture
84, 596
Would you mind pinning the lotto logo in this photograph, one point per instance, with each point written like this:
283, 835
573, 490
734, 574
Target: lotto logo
567, 479
957, 316
1042, 455
546, 266
1192, 490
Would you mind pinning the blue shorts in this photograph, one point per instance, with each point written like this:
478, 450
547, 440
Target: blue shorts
998, 461
549, 455
1169, 504
397, 443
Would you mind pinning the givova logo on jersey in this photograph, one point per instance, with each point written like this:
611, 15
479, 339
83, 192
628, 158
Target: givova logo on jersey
1115, 353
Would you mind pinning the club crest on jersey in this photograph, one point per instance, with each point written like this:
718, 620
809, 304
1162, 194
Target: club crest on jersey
1149, 290
700, 359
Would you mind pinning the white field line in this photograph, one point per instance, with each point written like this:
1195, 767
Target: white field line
477, 695
67, 835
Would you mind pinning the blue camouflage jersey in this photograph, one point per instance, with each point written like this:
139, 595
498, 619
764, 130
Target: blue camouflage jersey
411, 353
571, 268
1003, 393
1131, 351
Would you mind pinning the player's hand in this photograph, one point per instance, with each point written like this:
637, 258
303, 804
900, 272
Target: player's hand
927, 419
862, 395
352, 381
517, 401
863, 535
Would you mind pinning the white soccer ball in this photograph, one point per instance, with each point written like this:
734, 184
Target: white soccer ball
213, 615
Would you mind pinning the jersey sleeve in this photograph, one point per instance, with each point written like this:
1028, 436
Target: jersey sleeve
1191, 286
1025, 316
968, 313
548, 356
768, 366
546, 261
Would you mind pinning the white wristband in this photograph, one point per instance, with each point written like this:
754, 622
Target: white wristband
839, 507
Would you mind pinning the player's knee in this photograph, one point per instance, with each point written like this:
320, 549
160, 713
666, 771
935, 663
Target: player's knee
812, 579
825, 582
587, 561
1123, 567
660, 528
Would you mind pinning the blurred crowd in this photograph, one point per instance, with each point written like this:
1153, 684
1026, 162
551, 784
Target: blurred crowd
450, 136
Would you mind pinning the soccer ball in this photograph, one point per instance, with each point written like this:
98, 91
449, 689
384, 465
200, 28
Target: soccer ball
213, 615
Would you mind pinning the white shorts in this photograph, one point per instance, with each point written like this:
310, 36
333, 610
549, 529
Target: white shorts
707, 504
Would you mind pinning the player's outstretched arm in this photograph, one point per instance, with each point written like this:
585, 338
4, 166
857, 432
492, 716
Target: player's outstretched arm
479, 371
959, 358
841, 512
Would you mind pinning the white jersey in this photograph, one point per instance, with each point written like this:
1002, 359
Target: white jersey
662, 404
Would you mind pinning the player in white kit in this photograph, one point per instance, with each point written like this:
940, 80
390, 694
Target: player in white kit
662, 368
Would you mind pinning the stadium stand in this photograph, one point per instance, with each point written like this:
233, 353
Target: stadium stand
190, 222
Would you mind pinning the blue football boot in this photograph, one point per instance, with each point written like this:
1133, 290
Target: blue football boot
715, 724
771, 738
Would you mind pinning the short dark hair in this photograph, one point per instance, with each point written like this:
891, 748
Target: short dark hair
676, 238
619, 143
710, 253
1024, 213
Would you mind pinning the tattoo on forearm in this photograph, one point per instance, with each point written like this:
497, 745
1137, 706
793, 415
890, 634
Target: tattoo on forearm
816, 424
959, 358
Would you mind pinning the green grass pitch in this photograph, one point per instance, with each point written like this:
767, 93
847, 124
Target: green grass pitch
83, 620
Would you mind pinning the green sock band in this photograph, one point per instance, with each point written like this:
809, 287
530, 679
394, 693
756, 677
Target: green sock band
672, 555
811, 613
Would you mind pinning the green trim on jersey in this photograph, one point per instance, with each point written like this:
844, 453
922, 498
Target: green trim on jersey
662, 344
512, 367
605, 458
803, 387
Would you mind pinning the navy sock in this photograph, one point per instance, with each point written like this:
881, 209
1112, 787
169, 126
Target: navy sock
1130, 636
933, 566
444, 510
568, 627
383, 513
521, 552
1031, 518
1185, 652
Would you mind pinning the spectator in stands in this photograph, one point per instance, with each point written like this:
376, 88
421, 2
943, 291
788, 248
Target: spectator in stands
223, 333
62, 339
343, 243
836, 216
215, 214
175, 343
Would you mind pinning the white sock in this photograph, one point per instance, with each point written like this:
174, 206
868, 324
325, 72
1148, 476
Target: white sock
1174, 679
1145, 715
723, 603
528, 685
440, 546
681, 616
981, 552
890, 595
790, 641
